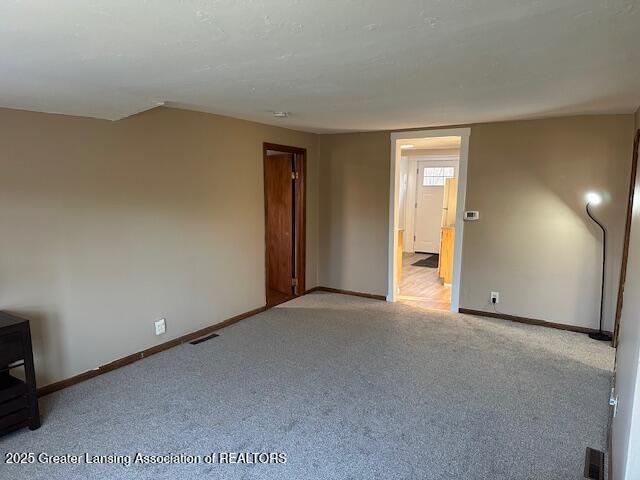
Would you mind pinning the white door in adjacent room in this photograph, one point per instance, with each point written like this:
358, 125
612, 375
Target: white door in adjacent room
429, 196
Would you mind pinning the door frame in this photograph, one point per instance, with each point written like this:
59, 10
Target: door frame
627, 237
300, 220
394, 189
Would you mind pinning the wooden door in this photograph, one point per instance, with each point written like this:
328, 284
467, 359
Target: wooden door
280, 234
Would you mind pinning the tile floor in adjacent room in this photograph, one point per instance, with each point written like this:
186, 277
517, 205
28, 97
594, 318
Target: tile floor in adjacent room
421, 286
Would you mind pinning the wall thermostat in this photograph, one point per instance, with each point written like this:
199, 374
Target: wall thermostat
471, 215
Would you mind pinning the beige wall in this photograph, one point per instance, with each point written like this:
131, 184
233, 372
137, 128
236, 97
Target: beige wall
107, 227
533, 242
354, 209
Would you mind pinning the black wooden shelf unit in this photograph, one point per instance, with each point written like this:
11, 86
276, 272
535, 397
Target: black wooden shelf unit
18, 398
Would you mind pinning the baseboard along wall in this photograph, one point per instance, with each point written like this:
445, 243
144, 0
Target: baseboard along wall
129, 359
530, 321
347, 292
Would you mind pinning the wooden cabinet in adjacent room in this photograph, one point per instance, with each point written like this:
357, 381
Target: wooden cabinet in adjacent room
445, 269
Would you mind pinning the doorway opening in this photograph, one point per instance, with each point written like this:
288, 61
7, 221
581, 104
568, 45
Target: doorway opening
428, 183
285, 220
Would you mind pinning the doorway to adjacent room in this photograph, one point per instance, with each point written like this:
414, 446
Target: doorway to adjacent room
428, 183
284, 201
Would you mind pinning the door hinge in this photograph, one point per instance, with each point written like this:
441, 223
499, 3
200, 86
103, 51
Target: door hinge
414, 238
416, 205
613, 401
294, 282
294, 175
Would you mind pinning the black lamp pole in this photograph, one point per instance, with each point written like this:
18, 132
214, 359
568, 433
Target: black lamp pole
600, 335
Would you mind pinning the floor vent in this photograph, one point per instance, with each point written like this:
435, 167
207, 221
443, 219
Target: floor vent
204, 339
594, 464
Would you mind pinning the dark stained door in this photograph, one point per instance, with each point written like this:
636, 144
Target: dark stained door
280, 235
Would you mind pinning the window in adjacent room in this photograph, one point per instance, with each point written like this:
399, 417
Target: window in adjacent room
435, 176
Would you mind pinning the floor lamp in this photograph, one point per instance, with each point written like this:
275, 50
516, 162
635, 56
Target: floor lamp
595, 199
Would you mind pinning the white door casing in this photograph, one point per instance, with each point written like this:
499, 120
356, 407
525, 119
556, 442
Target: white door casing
394, 184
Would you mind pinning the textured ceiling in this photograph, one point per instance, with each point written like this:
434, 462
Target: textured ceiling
335, 65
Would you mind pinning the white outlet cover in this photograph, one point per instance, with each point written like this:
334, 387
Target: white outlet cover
161, 326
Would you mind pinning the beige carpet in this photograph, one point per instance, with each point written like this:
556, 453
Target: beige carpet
348, 388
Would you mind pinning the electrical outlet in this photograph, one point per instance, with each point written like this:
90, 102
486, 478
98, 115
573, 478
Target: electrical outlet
495, 297
161, 326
